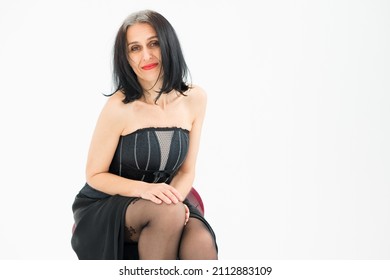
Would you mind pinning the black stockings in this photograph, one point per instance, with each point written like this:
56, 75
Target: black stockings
196, 242
161, 234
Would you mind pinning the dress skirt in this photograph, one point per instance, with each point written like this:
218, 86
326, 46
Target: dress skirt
100, 222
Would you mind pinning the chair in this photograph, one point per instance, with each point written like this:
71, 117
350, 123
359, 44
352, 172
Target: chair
195, 199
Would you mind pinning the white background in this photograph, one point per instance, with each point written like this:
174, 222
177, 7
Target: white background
294, 161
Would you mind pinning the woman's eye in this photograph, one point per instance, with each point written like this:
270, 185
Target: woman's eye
134, 48
154, 44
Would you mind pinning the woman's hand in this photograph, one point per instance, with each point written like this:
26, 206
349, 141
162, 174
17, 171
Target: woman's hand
187, 214
161, 192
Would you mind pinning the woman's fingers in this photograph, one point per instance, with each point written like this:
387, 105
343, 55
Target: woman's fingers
165, 196
151, 197
169, 194
177, 194
187, 214
172, 195
162, 193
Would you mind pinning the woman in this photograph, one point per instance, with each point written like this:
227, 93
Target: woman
141, 162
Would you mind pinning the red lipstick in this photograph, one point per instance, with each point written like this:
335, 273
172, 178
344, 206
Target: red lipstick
149, 66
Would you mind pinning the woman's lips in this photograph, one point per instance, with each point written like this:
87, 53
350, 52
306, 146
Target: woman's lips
149, 66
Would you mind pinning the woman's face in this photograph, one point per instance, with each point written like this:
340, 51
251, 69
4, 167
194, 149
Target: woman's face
144, 53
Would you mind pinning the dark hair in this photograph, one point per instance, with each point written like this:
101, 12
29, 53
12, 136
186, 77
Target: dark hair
174, 67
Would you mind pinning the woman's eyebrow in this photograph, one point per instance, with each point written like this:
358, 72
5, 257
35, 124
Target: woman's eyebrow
148, 39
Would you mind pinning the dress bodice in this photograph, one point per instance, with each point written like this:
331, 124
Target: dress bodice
151, 154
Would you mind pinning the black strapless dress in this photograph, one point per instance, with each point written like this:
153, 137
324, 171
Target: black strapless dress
152, 155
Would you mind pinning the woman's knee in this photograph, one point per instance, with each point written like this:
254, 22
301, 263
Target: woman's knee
172, 214
144, 212
150, 213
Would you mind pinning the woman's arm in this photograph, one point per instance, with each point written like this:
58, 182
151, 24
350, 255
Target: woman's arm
109, 127
185, 176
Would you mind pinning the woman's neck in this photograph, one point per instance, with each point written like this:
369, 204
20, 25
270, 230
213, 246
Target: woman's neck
150, 90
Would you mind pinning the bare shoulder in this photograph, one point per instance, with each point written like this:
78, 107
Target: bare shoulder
196, 101
114, 105
197, 96
115, 100
113, 112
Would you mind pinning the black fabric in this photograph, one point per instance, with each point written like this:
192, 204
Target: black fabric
100, 218
139, 155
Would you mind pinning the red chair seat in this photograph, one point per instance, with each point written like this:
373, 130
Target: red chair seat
195, 199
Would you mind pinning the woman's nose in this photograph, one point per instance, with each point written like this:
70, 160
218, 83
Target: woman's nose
147, 54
